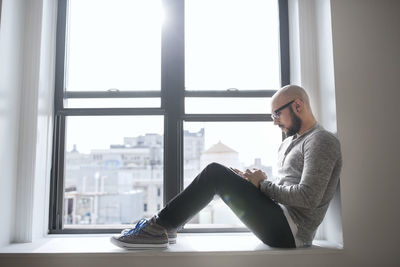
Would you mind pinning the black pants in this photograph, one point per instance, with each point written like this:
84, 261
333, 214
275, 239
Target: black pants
258, 212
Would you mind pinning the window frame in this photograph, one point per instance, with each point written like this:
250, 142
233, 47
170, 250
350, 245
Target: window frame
172, 96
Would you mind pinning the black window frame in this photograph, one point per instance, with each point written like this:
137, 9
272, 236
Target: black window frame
172, 95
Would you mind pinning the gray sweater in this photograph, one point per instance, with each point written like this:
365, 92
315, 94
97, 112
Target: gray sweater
309, 169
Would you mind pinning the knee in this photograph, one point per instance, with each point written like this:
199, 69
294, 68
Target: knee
214, 173
215, 169
214, 166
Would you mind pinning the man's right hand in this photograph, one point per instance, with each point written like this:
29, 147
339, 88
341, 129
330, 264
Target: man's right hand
255, 177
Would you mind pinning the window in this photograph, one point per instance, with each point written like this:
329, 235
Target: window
158, 191
148, 92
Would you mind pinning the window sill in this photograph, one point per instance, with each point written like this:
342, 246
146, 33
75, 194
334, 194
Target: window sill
187, 244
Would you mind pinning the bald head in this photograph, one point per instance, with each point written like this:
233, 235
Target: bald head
291, 92
291, 110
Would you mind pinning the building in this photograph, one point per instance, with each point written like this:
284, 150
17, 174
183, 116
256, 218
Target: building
102, 208
222, 154
106, 180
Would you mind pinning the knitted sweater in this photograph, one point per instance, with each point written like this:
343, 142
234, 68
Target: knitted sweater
309, 169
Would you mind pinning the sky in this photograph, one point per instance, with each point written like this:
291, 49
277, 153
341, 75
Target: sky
228, 44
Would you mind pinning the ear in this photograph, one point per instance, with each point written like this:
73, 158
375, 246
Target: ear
299, 105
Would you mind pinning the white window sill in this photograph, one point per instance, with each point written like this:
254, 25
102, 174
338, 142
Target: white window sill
210, 244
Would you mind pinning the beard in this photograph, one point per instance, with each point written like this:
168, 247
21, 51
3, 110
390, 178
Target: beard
296, 124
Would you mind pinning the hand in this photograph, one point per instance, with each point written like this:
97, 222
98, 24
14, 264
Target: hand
255, 177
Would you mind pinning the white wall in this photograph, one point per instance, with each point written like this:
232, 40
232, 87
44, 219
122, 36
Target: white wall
35, 136
44, 115
366, 42
11, 37
27, 80
366, 59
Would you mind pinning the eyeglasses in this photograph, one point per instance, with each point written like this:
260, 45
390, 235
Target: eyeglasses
277, 112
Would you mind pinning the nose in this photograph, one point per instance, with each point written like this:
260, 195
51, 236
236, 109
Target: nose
276, 121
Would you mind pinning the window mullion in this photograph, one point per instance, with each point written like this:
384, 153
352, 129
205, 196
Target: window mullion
172, 93
111, 94
227, 117
57, 173
110, 111
231, 93
60, 54
284, 42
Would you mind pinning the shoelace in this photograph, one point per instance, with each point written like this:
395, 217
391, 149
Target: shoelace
142, 223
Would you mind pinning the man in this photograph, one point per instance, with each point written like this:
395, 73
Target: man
283, 214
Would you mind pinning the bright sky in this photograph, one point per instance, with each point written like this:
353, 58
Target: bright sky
228, 44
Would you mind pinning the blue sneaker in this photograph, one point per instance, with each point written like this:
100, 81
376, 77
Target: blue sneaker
171, 234
147, 234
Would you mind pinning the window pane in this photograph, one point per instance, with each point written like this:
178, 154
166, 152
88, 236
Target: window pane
113, 169
114, 44
232, 44
235, 105
206, 142
113, 103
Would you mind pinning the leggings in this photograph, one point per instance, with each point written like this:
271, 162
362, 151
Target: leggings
257, 211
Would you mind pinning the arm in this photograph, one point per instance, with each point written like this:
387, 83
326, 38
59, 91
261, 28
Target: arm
320, 155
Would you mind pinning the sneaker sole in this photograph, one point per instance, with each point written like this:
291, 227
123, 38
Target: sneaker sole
137, 246
171, 240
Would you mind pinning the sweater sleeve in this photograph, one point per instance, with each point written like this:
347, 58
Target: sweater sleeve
320, 156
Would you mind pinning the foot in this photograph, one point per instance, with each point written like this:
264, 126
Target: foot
147, 234
171, 234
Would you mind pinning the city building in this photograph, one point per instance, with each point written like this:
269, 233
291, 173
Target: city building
121, 184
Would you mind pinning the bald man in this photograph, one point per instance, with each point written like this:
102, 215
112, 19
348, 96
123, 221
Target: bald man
285, 213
